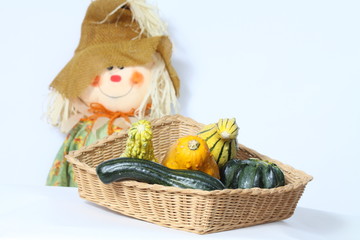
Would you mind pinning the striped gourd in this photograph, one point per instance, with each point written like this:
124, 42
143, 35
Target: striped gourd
221, 139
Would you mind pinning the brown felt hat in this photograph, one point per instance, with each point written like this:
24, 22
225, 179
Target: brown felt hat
114, 42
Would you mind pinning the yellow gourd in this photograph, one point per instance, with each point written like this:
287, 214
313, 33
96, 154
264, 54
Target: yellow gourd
221, 139
192, 153
139, 142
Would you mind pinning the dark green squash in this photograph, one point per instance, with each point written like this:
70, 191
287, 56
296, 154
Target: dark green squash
251, 173
141, 170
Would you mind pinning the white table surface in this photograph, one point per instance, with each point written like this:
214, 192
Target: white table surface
39, 212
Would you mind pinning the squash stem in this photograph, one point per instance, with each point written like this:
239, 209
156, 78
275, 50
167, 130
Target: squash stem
193, 144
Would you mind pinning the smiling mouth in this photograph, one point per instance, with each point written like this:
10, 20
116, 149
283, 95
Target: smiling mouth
119, 96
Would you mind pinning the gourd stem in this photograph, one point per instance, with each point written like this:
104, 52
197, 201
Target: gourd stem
193, 144
225, 135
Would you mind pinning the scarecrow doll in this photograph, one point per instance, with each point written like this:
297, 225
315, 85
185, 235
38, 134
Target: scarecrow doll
120, 73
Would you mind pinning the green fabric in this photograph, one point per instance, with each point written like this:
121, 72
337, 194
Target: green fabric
61, 172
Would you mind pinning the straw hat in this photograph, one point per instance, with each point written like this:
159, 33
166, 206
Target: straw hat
112, 36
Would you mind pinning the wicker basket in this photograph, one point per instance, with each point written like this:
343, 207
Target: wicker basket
185, 209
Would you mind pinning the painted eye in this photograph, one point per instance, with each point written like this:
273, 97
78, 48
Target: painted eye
121, 68
110, 68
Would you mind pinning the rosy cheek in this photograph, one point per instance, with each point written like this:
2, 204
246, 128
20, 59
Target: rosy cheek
96, 81
137, 78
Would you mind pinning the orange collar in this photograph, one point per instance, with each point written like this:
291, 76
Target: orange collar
99, 110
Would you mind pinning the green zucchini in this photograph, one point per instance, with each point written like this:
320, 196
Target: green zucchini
141, 170
251, 173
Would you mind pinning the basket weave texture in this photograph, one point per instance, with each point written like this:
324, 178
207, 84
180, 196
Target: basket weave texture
184, 209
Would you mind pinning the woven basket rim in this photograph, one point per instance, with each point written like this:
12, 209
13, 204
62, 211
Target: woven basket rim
302, 177
154, 123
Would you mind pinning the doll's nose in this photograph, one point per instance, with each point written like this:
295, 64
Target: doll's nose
115, 78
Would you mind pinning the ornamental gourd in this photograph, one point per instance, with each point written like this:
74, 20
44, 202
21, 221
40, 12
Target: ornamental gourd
192, 153
221, 139
251, 173
139, 142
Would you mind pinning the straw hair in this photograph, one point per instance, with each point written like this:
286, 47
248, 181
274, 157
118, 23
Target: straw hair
161, 95
184, 209
59, 110
145, 15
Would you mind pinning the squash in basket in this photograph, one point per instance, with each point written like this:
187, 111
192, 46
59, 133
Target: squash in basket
141, 170
139, 142
221, 139
251, 173
191, 152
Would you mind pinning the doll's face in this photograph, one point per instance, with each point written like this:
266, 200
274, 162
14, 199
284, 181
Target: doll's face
119, 88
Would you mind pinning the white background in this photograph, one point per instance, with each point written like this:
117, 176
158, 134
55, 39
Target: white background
287, 70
